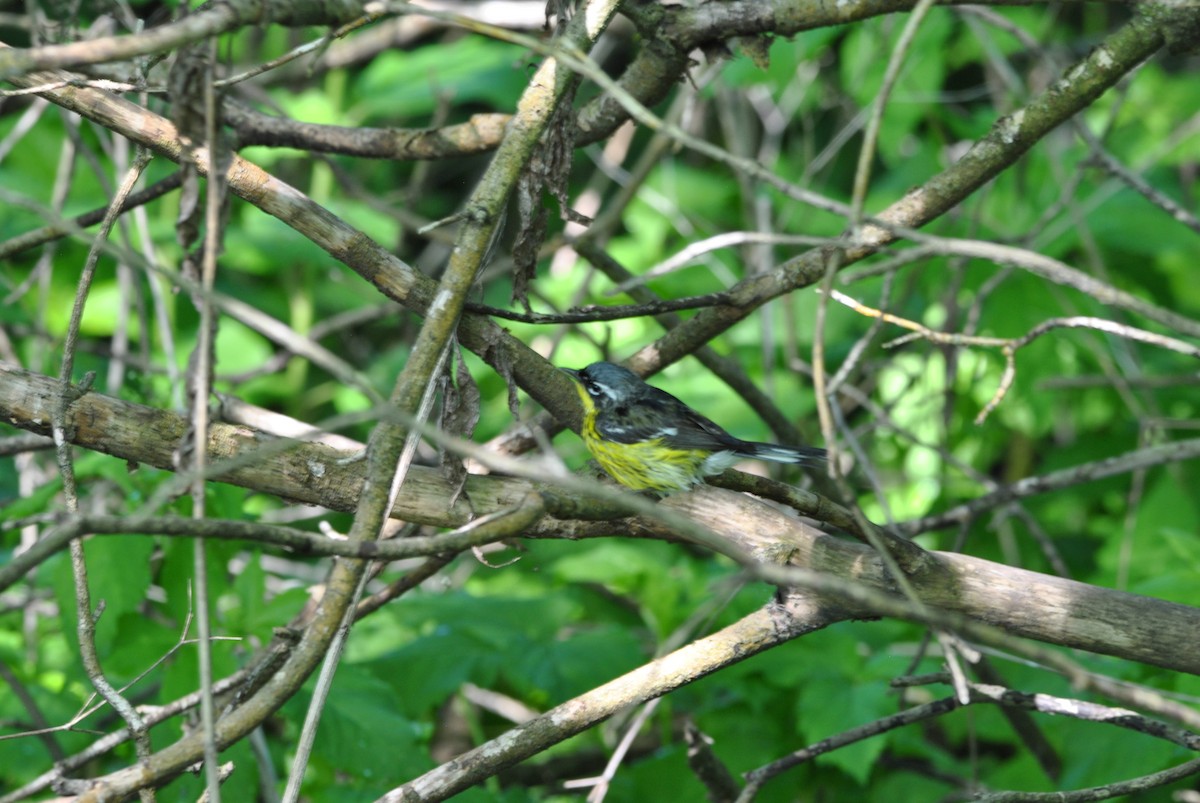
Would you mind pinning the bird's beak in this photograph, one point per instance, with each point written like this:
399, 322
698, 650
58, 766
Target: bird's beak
571, 372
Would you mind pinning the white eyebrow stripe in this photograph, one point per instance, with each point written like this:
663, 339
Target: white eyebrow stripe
607, 391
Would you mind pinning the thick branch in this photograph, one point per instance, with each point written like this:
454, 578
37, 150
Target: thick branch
482, 132
242, 456
1022, 603
1019, 602
215, 18
765, 628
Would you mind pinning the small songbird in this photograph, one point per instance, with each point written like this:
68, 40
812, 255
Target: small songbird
648, 440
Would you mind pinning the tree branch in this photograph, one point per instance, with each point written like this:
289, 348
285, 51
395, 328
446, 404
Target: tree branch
765, 628
1023, 603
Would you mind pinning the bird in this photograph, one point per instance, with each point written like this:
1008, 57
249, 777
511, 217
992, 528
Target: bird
648, 440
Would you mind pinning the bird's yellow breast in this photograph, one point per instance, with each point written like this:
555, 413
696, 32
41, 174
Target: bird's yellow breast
644, 465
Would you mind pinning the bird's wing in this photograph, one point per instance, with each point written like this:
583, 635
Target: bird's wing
661, 415
698, 432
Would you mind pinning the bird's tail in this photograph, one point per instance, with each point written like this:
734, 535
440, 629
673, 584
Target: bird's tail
784, 454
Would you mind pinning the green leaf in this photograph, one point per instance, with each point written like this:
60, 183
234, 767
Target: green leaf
425, 673
398, 85
38, 501
829, 705
362, 730
240, 348
118, 576
914, 98
558, 670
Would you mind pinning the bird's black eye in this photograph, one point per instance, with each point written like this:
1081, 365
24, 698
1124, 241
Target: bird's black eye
593, 389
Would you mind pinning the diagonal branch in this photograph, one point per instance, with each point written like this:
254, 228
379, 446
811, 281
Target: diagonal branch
211, 20
1010, 137
387, 273
761, 630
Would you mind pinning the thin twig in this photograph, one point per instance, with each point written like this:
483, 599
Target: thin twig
977, 693
718, 781
1104, 792
373, 12
596, 312
324, 684
1085, 472
85, 619
715, 243
201, 363
1109, 163
333, 653
1009, 345
599, 785
866, 154
107, 743
52, 231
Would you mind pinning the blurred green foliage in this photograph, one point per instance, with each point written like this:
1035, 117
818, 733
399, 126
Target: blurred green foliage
568, 616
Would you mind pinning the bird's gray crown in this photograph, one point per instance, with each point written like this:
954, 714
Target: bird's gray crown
608, 383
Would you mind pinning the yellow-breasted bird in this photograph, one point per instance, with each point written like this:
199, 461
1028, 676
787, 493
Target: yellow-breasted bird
648, 440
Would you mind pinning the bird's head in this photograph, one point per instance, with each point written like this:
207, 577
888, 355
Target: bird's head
606, 386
